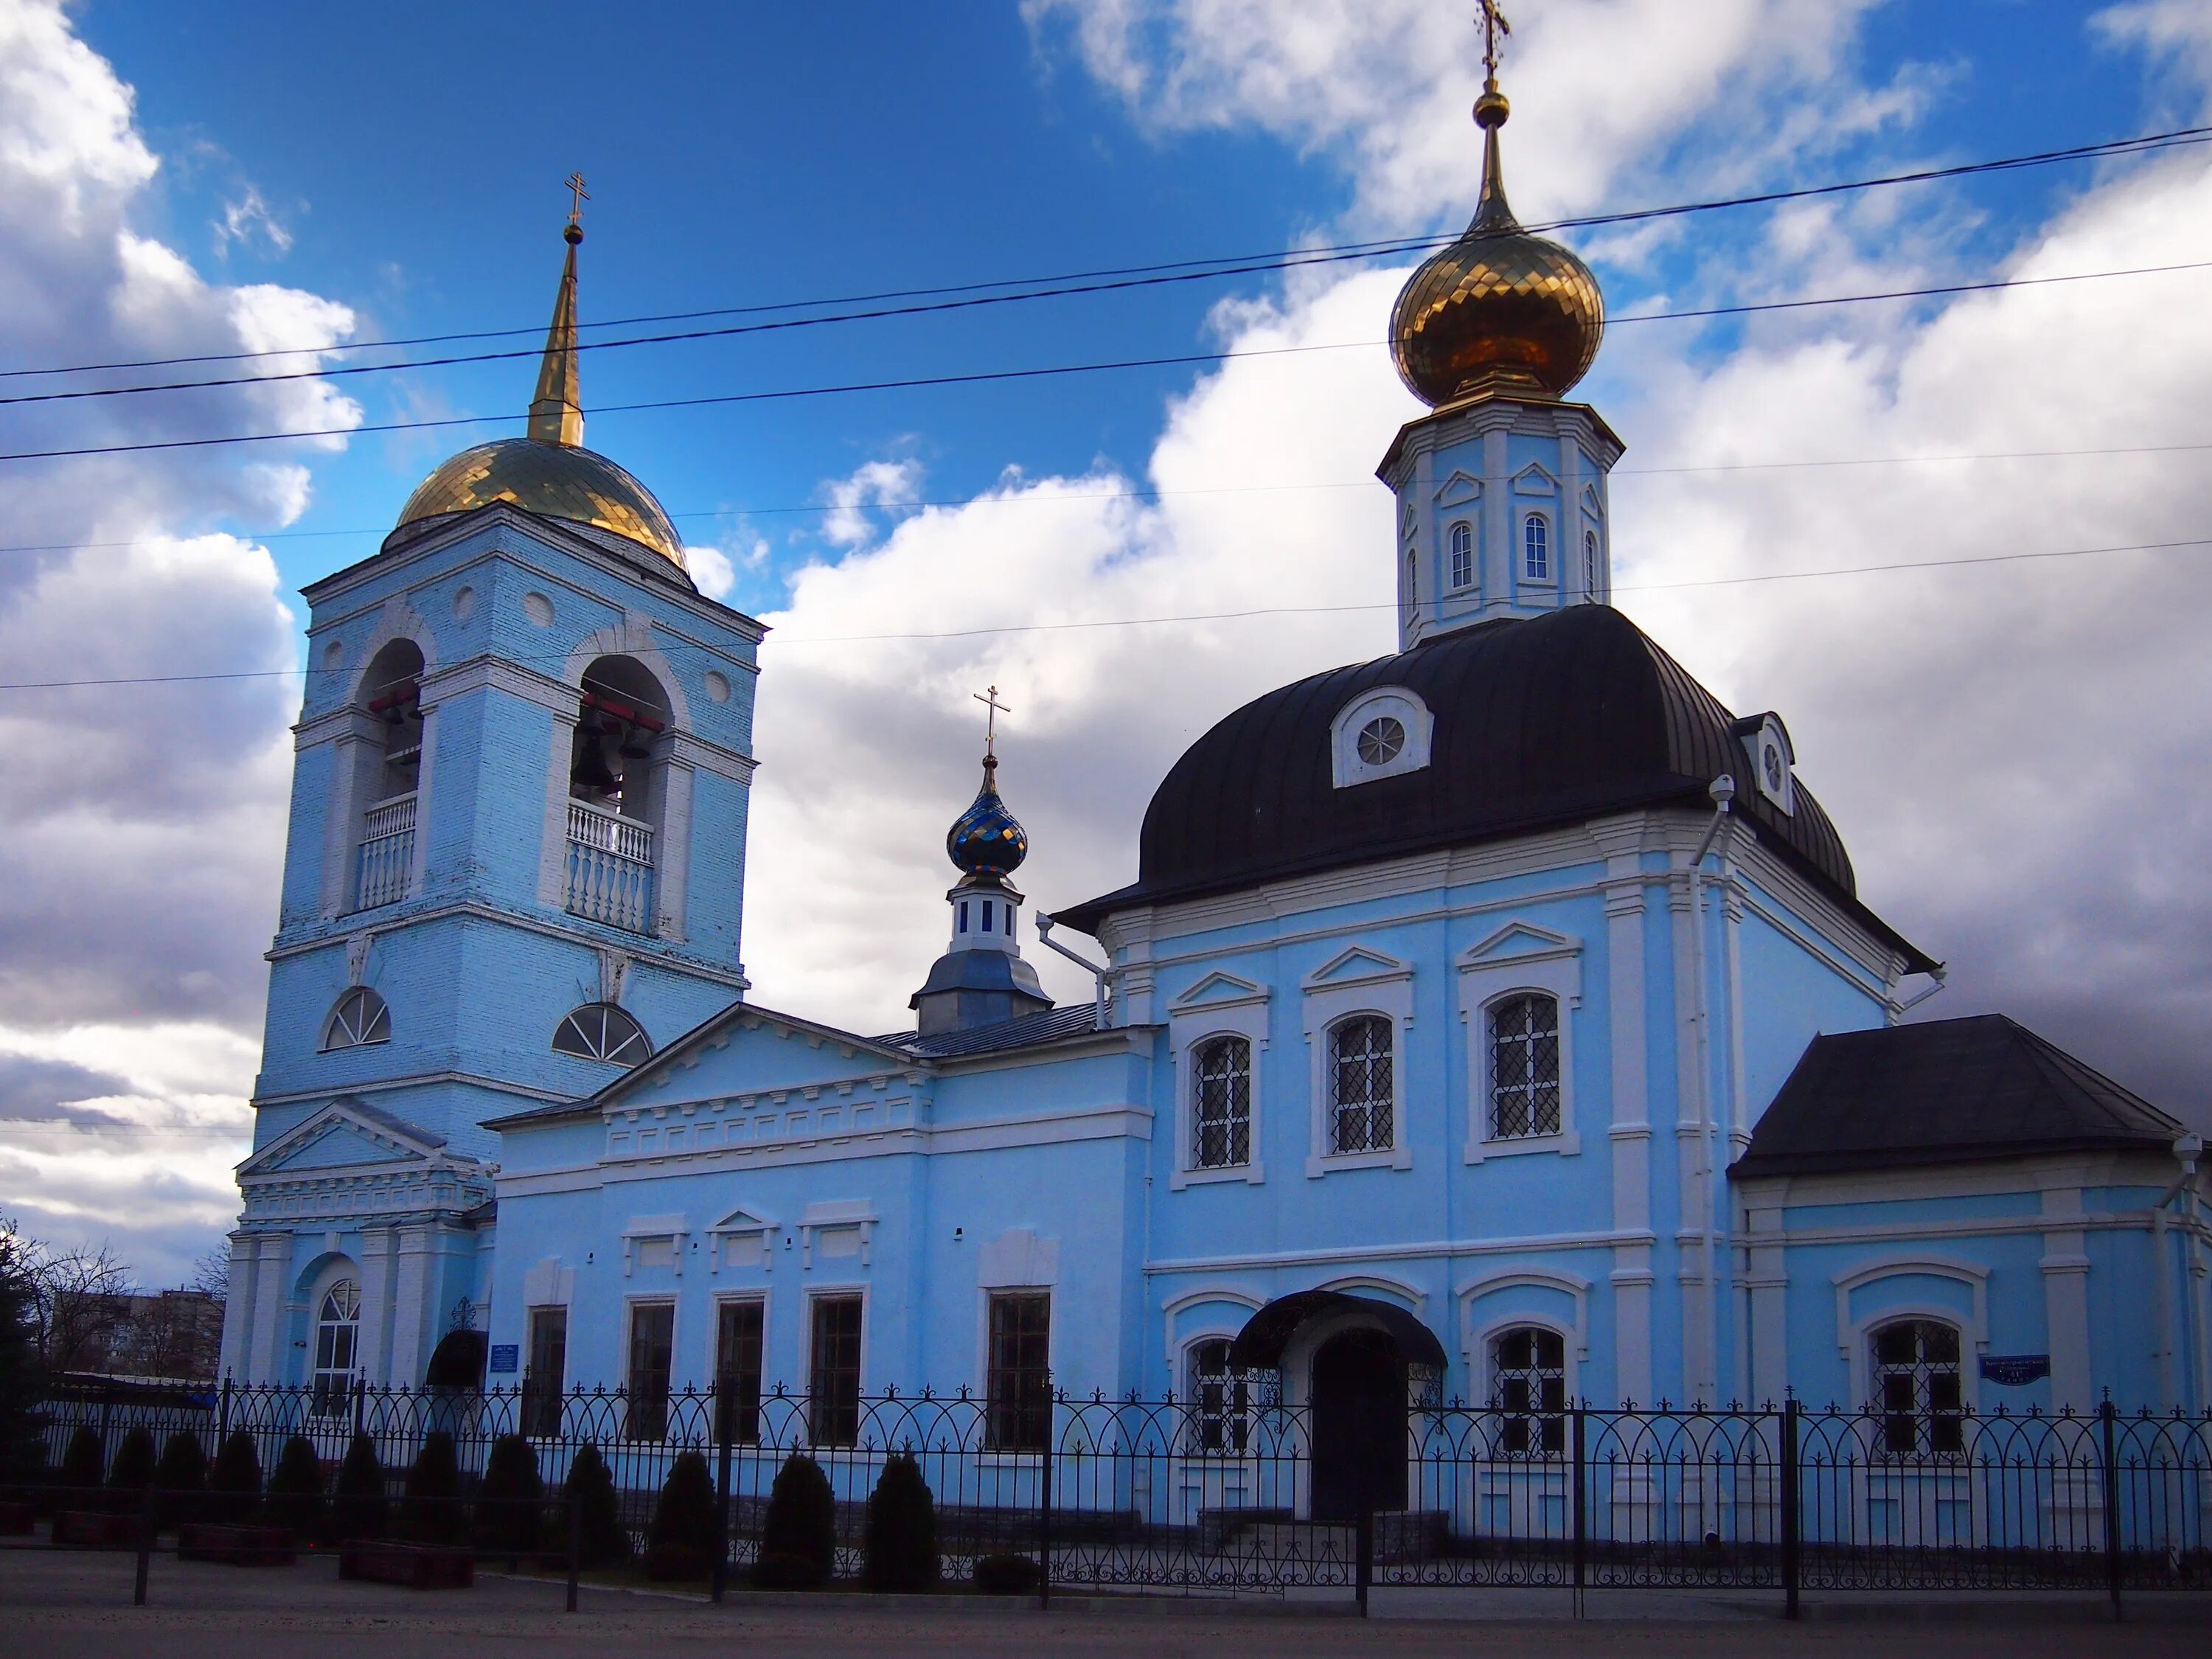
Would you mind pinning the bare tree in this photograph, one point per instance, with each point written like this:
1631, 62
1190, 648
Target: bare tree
211, 1274
77, 1298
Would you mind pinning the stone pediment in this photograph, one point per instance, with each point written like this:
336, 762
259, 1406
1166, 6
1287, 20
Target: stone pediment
1356, 966
346, 1134
1460, 489
1520, 941
1536, 479
1219, 990
748, 1052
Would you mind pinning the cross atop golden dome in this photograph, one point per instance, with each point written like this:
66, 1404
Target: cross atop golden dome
548, 471
1500, 310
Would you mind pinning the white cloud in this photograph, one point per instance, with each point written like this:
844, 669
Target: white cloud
715, 569
875, 483
247, 219
151, 815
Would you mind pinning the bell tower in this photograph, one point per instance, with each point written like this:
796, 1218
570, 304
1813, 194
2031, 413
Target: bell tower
1502, 498
514, 869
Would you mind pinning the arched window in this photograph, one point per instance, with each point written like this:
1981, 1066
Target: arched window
1524, 1066
391, 694
1462, 556
599, 1030
1528, 1387
618, 777
1536, 548
1917, 1388
1590, 562
1412, 581
359, 1016
1220, 1401
337, 1344
1359, 1086
1221, 1103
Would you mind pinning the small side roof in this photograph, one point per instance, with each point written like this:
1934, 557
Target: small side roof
1946, 1091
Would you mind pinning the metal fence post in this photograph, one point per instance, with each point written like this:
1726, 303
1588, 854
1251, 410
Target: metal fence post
1581, 1518
724, 1410
145, 1547
575, 1540
223, 1414
360, 1402
1363, 1548
1044, 1511
1790, 1506
2107, 1414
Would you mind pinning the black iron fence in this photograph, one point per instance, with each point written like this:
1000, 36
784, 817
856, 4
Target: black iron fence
1230, 1493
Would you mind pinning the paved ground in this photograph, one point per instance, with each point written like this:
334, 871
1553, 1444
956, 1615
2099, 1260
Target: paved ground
78, 1607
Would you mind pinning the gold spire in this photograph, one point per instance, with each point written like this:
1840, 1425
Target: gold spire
556, 413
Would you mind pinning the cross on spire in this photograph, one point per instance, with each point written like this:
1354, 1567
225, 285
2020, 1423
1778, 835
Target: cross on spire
989, 698
1493, 26
578, 196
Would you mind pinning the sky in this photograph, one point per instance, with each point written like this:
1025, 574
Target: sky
2012, 746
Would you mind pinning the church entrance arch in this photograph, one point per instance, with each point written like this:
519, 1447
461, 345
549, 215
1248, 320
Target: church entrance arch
1359, 1433
1353, 1359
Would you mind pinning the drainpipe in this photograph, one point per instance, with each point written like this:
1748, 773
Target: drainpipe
1044, 936
2188, 1148
1723, 792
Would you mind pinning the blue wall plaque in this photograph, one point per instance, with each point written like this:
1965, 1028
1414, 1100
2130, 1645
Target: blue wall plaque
2010, 1370
507, 1356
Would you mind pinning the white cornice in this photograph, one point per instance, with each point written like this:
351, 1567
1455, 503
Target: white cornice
643, 952
414, 1080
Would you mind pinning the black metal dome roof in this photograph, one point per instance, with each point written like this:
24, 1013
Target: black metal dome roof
1540, 721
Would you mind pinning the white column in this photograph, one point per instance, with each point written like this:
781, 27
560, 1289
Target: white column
1630, 1132
238, 1304
1765, 1337
411, 1307
271, 1329
671, 853
376, 1254
2066, 1303
553, 851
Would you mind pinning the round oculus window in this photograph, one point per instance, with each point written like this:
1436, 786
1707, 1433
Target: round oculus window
1380, 740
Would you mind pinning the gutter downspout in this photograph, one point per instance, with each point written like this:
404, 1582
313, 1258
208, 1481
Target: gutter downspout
1723, 792
1044, 937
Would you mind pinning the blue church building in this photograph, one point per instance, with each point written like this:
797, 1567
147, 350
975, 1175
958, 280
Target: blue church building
1499, 1017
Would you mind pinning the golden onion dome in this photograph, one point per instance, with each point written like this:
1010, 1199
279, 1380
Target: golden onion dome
548, 471
1499, 309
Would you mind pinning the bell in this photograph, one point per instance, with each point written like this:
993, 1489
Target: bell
592, 771
635, 745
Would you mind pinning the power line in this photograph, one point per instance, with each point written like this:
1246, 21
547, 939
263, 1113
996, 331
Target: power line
1038, 499
1193, 617
1095, 280
983, 376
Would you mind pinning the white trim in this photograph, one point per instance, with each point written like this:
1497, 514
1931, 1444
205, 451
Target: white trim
1481, 1371
1196, 1017
1574, 1286
716, 1302
631, 1302
1517, 958
1346, 769
808, 1297
1358, 979
1413, 1295
1851, 1334
1171, 1348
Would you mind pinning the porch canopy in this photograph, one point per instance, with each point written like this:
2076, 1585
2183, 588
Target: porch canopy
1260, 1345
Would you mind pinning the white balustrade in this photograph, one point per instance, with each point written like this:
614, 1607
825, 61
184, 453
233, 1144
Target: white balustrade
610, 868
388, 852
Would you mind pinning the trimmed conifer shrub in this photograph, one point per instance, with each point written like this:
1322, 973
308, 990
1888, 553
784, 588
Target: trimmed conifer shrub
179, 1478
604, 1542
295, 1489
799, 1535
682, 1543
357, 1506
84, 1463
430, 1507
1007, 1574
510, 1502
898, 1551
132, 1471
234, 1480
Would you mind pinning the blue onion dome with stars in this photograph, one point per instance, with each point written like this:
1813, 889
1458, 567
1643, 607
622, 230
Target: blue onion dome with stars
986, 842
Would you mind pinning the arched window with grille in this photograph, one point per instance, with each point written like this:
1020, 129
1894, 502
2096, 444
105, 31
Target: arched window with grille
1220, 1401
1524, 1066
1462, 556
338, 1346
1361, 1085
1221, 1103
1536, 548
1918, 1388
359, 1017
1590, 562
600, 1030
1528, 1389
